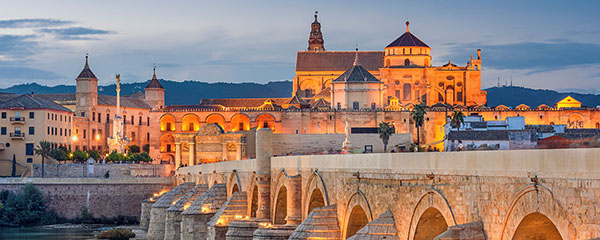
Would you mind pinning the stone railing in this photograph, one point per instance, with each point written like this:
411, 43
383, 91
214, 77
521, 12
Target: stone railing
75, 170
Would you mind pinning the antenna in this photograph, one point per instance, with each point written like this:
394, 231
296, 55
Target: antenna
511, 81
498, 81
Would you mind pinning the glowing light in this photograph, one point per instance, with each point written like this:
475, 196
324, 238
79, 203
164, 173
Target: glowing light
204, 209
187, 205
97, 136
70, 155
238, 216
265, 225
220, 222
74, 138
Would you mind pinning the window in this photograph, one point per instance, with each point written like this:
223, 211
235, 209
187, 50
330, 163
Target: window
124, 119
69, 132
132, 136
61, 117
3, 131
82, 114
18, 130
3, 115
339, 106
308, 93
241, 126
31, 130
29, 160
373, 106
406, 92
29, 149
168, 126
99, 117
48, 116
459, 96
147, 137
132, 120
31, 115
191, 126
397, 93
168, 147
265, 124
48, 130
93, 116
93, 133
355, 105
84, 133
406, 62
107, 117
148, 121
61, 131
140, 121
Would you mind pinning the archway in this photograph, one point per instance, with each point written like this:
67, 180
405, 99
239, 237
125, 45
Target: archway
167, 123
406, 91
216, 119
240, 122
254, 202
265, 120
235, 189
167, 143
190, 122
430, 225
316, 200
357, 220
536, 226
281, 206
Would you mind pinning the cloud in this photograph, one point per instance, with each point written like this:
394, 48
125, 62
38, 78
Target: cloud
536, 56
75, 33
32, 23
15, 47
16, 74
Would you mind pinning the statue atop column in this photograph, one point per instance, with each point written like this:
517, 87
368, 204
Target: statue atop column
118, 141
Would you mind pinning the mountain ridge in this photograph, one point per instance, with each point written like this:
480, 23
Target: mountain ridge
190, 92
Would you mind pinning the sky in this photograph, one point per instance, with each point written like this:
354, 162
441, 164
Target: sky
538, 44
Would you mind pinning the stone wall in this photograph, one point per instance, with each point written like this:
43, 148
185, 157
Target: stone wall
312, 143
107, 197
75, 170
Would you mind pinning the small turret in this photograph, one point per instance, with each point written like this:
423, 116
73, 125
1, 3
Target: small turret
315, 41
154, 92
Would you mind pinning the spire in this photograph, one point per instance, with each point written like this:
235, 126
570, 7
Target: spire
154, 72
86, 61
154, 83
86, 72
356, 63
315, 40
407, 23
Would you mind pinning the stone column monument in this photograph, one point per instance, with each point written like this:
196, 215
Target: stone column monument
264, 151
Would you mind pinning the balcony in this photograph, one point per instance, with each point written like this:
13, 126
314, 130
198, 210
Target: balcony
17, 120
17, 136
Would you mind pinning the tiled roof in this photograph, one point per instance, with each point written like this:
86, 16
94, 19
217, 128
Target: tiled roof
29, 101
357, 74
6, 96
125, 101
190, 108
242, 102
86, 72
154, 83
540, 128
407, 40
59, 97
337, 60
138, 95
580, 133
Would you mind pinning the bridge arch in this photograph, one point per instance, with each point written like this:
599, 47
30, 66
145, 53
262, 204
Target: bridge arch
233, 184
431, 213
314, 192
279, 202
535, 202
252, 197
358, 214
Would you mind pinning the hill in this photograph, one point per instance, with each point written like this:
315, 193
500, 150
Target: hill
190, 92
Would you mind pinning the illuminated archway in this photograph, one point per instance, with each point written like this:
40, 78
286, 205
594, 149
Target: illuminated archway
190, 123
167, 143
357, 220
430, 225
280, 206
536, 226
265, 120
316, 200
167, 123
240, 122
216, 119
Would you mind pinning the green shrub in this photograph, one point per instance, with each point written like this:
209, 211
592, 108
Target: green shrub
94, 154
116, 234
115, 157
79, 156
25, 208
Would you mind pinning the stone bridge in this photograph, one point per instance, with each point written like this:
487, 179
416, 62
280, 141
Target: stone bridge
524, 194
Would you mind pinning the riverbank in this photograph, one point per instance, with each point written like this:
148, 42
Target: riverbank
64, 231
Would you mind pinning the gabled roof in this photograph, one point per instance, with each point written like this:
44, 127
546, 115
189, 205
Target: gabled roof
337, 60
357, 74
30, 101
86, 72
320, 103
125, 101
296, 100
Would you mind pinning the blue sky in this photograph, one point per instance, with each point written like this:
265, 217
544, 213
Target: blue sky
540, 44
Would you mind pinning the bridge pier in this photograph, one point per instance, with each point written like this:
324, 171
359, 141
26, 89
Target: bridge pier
264, 151
156, 228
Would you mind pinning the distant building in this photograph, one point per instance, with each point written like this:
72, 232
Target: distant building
25, 121
476, 134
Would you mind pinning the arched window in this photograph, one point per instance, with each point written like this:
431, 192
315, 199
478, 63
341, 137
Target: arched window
355, 105
406, 62
406, 90
373, 106
476, 67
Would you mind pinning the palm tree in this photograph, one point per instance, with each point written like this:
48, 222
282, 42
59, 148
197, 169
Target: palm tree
43, 150
418, 115
385, 130
457, 119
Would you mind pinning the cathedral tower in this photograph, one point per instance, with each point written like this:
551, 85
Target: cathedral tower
315, 41
86, 93
155, 93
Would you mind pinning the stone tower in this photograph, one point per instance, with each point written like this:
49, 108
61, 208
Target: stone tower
315, 41
155, 93
86, 93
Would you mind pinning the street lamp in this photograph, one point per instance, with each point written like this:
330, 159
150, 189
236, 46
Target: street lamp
74, 138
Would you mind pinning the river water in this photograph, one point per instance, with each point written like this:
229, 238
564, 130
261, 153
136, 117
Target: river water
49, 233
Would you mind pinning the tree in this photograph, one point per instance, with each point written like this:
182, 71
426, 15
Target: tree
385, 130
457, 119
94, 154
133, 149
418, 115
59, 155
43, 150
79, 156
114, 156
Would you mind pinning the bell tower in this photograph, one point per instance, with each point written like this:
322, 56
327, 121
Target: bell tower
86, 93
154, 92
315, 41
